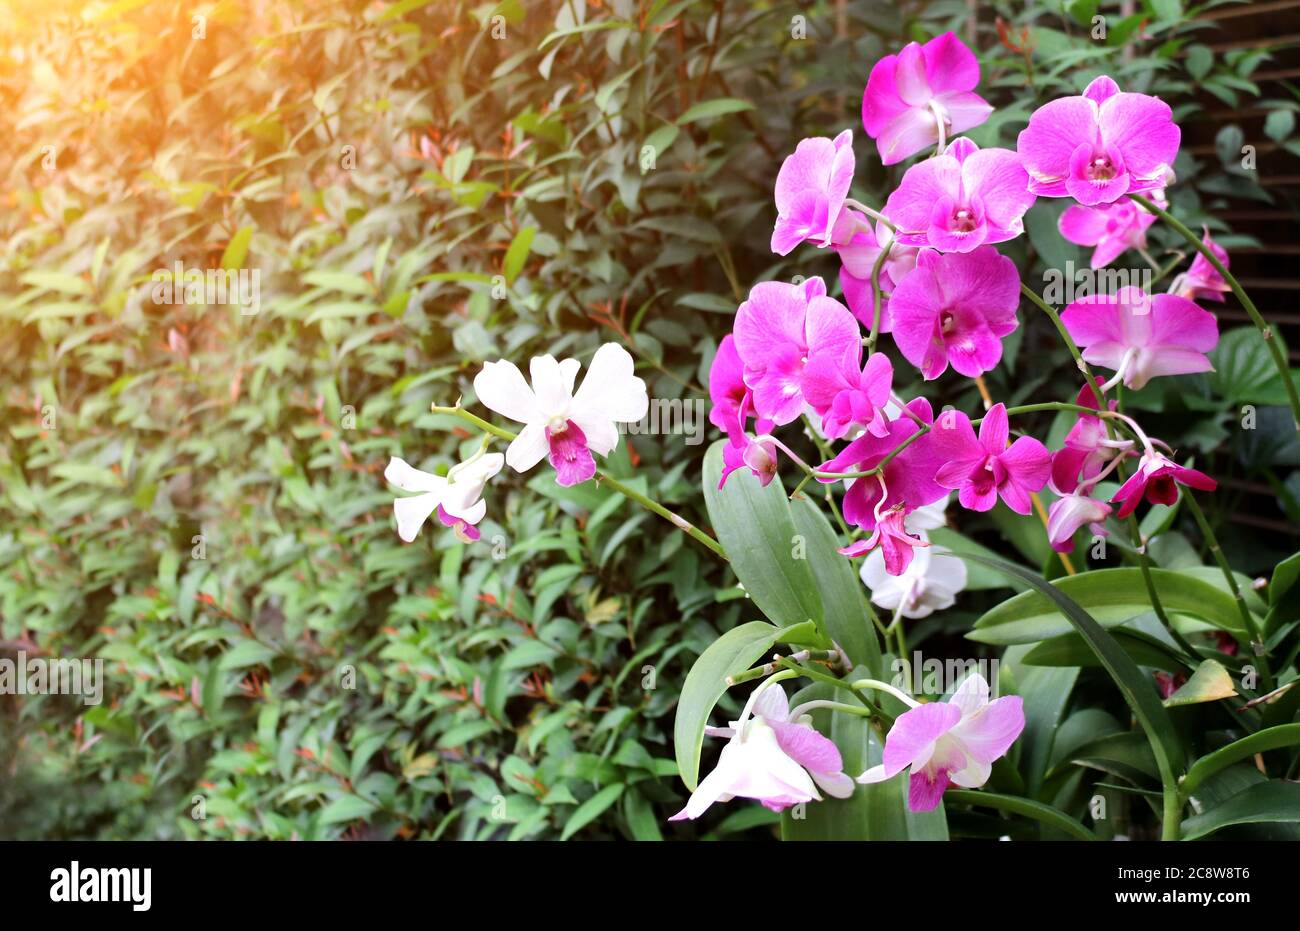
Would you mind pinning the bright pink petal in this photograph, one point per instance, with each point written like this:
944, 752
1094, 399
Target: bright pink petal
1142, 128
990, 732
911, 739
950, 65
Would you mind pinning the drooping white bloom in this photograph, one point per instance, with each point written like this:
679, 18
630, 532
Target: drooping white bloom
772, 756
927, 584
458, 497
557, 422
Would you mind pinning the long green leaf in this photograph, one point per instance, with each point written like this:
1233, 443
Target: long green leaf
1273, 801
1021, 806
754, 526
1110, 596
1285, 735
845, 610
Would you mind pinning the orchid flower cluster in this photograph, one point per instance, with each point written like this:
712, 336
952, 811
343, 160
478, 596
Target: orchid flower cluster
925, 268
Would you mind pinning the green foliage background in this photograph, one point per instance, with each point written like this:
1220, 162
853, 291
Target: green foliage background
421, 186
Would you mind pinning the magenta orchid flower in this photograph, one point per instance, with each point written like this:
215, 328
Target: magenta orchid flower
1087, 447
1142, 337
949, 743
774, 756
731, 410
905, 484
1157, 479
1099, 146
559, 424
1112, 228
955, 308
962, 199
777, 330
742, 450
892, 539
984, 469
858, 257
922, 96
810, 191
847, 394
1070, 512
1202, 280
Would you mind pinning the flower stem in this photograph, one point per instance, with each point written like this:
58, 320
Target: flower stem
1260, 323
876, 296
1256, 639
648, 503
879, 686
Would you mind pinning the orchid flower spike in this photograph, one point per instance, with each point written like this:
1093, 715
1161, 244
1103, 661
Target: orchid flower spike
922, 96
566, 426
950, 743
772, 759
458, 497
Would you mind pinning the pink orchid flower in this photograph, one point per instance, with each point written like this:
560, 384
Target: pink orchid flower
1070, 512
955, 308
742, 450
1157, 479
858, 257
846, 393
559, 424
922, 96
731, 410
1202, 279
810, 191
950, 743
906, 483
892, 538
962, 199
1142, 337
777, 330
1087, 448
774, 756
1099, 146
1112, 228
986, 468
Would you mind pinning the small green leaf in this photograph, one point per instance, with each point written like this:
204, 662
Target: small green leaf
517, 254
237, 249
591, 809
1210, 682
714, 108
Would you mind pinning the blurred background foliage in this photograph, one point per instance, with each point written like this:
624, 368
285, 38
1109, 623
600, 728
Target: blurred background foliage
195, 494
